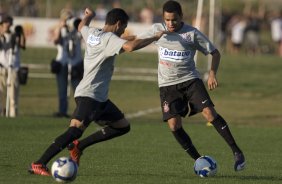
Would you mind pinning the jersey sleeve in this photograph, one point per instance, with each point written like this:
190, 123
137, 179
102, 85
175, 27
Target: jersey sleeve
84, 32
146, 34
203, 44
114, 45
152, 31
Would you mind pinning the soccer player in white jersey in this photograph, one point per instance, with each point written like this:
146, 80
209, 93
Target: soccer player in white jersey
91, 95
182, 92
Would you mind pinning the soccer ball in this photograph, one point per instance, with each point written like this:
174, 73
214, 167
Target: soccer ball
64, 169
205, 166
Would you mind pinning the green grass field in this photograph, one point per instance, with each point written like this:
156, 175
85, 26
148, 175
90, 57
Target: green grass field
249, 97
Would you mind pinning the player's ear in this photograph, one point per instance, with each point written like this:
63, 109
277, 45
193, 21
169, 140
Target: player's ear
118, 24
181, 16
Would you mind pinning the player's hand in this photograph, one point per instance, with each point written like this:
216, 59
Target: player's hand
212, 82
89, 12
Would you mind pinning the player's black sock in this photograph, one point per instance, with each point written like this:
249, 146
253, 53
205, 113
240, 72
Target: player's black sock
184, 140
222, 128
59, 144
104, 134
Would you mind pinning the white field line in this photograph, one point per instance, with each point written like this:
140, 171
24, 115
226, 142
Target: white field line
37, 66
137, 70
115, 77
142, 113
117, 69
134, 78
41, 75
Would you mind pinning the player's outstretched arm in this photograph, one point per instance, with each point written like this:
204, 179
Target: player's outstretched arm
212, 81
128, 37
89, 14
136, 44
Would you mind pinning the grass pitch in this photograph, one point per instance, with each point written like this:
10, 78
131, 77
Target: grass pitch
249, 98
148, 154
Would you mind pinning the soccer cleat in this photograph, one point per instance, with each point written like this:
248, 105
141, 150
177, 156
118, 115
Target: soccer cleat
209, 124
75, 153
239, 161
39, 169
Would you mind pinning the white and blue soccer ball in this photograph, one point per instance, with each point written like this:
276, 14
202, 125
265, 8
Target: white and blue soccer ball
64, 169
205, 166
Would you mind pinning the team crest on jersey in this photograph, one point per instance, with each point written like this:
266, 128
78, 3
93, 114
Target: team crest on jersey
93, 40
186, 37
165, 106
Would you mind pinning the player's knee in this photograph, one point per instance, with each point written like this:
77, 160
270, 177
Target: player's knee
209, 113
120, 124
122, 130
174, 127
175, 123
78, 124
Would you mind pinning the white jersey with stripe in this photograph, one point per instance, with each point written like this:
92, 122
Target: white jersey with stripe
176, 51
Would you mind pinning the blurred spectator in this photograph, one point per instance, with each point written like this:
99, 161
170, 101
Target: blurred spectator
68, 65
237, 26
101, 12
116, 4
15, 8
252, 31
252, 37
276, 31
225, 18
24, 8
146, 16
11, 43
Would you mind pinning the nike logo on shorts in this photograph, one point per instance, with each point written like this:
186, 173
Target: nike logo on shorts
223, 127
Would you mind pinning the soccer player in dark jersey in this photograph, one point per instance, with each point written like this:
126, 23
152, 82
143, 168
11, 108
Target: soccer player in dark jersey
91, 95
182, 92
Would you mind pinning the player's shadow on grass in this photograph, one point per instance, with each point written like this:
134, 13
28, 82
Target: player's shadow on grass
185, 177
136, 174
253, 178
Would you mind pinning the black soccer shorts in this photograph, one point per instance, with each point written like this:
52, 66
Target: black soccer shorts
189, 97
88, 110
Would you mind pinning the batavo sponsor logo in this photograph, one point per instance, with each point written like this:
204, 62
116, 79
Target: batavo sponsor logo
174, 55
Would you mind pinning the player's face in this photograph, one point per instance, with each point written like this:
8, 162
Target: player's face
173, 21
6, 26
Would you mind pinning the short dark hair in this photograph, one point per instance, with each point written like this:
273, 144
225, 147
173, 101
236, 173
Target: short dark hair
76, 23
115, 15
6, 18
172, 7
18, 29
